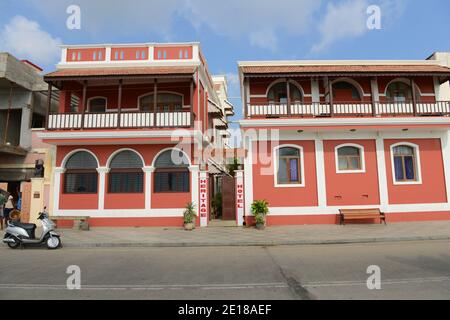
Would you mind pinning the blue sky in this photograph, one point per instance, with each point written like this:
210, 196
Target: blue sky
232, 30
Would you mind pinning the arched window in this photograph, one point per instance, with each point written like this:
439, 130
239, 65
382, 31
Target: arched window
81, 174
166, 102
344, 91
171, 172
405, 163
126, 175
289, 171
399, 91
278, 93
349, 158
97, 105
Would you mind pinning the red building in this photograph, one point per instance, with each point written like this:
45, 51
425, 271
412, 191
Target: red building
328, 135
130, 132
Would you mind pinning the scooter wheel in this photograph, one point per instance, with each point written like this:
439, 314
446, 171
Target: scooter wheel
53, 243
14, 245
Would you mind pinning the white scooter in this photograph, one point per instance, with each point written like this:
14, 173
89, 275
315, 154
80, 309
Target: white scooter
18, 234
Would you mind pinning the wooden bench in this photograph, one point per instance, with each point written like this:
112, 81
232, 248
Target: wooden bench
79, 223
361, 214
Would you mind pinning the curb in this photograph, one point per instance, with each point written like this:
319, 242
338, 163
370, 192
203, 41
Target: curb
250, 243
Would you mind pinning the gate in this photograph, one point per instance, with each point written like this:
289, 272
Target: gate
228, 198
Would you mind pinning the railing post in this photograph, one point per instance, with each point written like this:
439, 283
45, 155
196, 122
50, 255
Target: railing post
288, 93
49, 103
155, 100
413, 93
84, 103
119, 104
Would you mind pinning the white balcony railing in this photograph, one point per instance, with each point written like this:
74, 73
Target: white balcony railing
438, 108
109, 120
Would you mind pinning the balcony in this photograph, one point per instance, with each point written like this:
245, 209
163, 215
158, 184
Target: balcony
351, 109
124, 119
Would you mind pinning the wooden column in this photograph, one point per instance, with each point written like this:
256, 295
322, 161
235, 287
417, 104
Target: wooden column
413, 93
155, 100
372, 93
288, 93
330, 93
84, 103
192, 102
49, 103
119, 104
244, 84
5, 137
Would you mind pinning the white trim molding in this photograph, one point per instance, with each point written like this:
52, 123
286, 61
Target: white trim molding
361, 158
301, 171
417, 163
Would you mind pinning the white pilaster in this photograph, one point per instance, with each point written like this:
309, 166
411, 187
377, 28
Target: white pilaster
102, 171
148, 171
320, 171
64, 55
57, 172
108, 54
382, 177
445, 146
248, 178
240, 197
151, 53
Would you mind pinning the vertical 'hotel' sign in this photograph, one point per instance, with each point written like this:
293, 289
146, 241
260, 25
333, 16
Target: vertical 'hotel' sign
203, 194
240, 203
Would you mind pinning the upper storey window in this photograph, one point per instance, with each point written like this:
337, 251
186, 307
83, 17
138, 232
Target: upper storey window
166, 102
278, 93
97, 105
399, 91
345, 91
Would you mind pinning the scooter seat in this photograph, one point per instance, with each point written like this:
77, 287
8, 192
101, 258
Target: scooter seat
26, 226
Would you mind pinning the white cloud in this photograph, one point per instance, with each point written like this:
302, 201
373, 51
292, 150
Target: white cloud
344, 20
25, 39
260, 22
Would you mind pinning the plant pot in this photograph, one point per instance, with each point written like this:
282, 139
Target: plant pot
189, 226
260, 226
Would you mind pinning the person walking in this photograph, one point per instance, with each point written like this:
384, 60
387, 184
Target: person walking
2, 204
9, 206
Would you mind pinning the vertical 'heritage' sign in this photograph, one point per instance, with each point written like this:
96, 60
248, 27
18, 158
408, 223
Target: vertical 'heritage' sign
203, 193
240, 198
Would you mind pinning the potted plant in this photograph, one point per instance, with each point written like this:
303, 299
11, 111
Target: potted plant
260, 208
189, 216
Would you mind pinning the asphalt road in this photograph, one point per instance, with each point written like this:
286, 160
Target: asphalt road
409, 270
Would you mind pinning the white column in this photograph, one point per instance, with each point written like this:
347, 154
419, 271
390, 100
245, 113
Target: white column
204, 198
151, 51
57, 172
148, 171
320, 172
315, 93
102, 171
240, 197
445, 146
382, 178
64, 55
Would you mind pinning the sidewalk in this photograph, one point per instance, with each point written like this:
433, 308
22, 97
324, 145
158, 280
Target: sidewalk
229, 236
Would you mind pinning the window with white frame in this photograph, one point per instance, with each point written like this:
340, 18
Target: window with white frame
81, 176
97, 105
405, 163
349, 158
289, 166
126, 175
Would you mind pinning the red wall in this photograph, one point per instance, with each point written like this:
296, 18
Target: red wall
172, 53
129, 53
86, 54
432, 189
351, 188
264, 185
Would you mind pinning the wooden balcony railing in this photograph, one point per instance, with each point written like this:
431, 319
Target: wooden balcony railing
128, 120
350, 109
